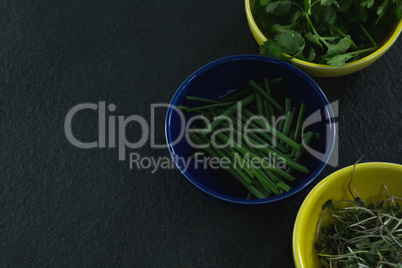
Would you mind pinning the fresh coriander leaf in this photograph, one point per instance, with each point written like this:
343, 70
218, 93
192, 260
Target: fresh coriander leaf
279, 7
261, 16
344, 5
283, 7
381, 10
338, 60
272, 49
264, 2
296, 16
328, 2
361, 15
324, 14
397, 11
271, 6
311, 55
291, 42
281, 28
341, 47
367, 3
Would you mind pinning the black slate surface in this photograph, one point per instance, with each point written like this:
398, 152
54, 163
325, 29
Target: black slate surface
65, 206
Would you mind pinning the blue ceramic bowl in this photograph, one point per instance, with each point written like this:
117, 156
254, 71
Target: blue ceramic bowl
221, 77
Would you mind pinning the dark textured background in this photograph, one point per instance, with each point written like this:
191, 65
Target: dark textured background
65, 206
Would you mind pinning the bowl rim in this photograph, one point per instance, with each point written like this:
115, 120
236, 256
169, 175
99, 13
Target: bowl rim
330, 143
378, 52
331, 177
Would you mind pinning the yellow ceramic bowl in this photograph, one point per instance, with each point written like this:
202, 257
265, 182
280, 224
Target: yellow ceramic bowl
322, 70
368, 181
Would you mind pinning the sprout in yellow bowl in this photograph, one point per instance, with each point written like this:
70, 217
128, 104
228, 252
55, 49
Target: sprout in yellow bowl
368, 180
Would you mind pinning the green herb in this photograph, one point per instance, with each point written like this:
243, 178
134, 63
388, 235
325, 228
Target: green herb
330, 32
240, 128
200, 99
361, 235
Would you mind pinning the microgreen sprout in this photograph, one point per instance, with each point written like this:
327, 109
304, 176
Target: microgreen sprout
361, 235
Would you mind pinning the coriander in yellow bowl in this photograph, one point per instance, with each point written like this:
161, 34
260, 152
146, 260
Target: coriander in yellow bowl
325, 38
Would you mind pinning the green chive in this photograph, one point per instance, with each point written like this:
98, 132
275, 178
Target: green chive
214, 105
244, 152
298, 129
228, 112
193, 98
266, 125
265, 95
258, 100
